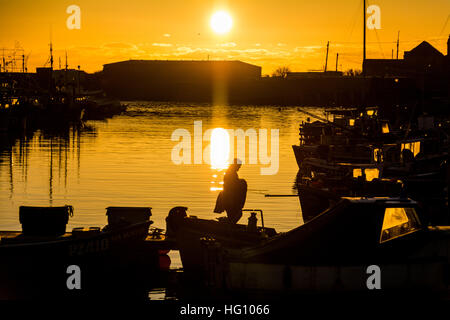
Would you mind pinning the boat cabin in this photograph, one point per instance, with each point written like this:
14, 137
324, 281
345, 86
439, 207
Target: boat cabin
355, 230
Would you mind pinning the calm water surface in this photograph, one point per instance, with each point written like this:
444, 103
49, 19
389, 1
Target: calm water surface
126, 161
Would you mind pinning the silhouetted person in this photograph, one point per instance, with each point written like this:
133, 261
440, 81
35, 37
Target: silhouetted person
232, 198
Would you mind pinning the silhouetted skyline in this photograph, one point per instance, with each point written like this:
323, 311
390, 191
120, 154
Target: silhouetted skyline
268, 34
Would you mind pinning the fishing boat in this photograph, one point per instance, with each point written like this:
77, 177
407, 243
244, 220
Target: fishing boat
352, 136
43, 233
381, 162
333, 253
99, 107
38, 256
320, 184
190, 231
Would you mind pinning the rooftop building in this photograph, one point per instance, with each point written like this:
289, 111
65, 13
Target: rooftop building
174, 79
423, 59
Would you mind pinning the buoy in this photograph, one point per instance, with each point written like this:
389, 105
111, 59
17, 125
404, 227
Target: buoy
164, 262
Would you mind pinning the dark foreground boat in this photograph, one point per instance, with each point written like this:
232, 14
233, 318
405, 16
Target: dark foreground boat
339, 250
189, 232
39, 257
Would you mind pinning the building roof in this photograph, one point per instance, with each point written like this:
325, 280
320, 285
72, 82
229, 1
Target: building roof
180, 62
423, 49
422, 58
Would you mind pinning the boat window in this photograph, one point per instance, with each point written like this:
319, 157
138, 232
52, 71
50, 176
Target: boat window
357, 172
385, 127
351, 122
378, 155
414, 147
398, 222
370, 174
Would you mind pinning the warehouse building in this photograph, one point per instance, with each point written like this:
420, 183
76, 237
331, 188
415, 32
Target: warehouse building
177, 80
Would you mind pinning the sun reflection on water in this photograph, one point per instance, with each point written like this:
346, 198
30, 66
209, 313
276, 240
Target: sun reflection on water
219, 156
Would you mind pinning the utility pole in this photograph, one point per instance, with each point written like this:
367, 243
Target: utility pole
398, 42
326, 59
337, 59
51, 55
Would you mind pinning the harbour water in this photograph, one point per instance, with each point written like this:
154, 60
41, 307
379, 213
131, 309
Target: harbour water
126, 161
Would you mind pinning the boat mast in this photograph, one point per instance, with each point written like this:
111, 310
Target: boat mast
51, 56
398, 42
51, 49
326, 58
364, 32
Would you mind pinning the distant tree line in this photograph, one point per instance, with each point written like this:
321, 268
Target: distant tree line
353, 73
281, 72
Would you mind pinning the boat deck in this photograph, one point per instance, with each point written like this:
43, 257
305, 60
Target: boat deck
18, 237
160, 242
153, 240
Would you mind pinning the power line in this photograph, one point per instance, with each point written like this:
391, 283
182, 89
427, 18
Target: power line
389, 42
379, 43
355, 18
445, 24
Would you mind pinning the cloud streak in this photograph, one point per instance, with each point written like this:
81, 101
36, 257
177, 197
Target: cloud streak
155, 44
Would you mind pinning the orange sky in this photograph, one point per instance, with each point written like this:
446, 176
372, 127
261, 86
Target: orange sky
267, 33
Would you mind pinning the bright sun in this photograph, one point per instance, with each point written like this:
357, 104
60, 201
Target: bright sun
221, 22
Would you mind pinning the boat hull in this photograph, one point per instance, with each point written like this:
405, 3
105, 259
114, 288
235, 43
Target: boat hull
192, 235
29, 268
333, 252
314, 201
251, 278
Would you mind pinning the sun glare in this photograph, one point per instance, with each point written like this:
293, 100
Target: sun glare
221, 22
220, 148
